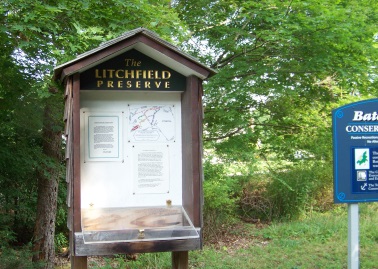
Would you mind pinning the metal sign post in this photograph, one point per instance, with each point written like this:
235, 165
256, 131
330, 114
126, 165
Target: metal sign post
353, 237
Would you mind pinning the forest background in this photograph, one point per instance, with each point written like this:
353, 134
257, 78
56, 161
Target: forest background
282, 65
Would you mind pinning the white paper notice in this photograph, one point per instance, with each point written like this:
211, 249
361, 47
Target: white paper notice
151, 123
103, 137
151, 169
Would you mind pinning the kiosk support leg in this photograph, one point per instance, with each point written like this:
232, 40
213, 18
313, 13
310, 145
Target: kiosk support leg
79, 262
180, 260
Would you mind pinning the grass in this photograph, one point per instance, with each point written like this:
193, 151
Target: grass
318, 241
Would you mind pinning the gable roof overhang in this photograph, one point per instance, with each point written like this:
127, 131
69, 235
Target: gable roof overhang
143, 40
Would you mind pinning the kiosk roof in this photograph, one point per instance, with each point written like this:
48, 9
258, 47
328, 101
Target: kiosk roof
144, 40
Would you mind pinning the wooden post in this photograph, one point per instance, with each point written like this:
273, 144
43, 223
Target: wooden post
79, 262
180, 260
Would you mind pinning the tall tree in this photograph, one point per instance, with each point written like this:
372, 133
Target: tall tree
282, 65
48, 174
20, 117
41, 34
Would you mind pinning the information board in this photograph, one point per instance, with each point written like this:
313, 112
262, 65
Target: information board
102, 134
151, 169
355, 148
151, 123
130, 149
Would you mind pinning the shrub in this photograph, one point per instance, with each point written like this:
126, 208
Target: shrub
220, 201
7, 236
253, 203
61, 242
17, 259
289, 193
219, 210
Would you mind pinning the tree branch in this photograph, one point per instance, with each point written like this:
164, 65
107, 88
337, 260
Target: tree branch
238, 130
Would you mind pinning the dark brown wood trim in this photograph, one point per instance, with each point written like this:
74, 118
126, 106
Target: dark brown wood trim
180, 260
97, 56
93, 58
200, 165
76, 261
191, 141
76, 154
187, 166
79, 262
175, 56
197, 160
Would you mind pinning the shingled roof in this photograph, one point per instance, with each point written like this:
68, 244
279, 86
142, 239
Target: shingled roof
144, 40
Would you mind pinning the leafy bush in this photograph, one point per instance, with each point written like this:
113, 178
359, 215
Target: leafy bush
61, 242
220, 202
289, 193
17, 259
6, 237
253, 203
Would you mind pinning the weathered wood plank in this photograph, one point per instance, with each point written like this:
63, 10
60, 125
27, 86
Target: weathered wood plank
67, 98
76, 154
68, 89
117, 218
68, 115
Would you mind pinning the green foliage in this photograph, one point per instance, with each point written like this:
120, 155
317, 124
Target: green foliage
20, 117
153, 260
117, 262
289, 193
60, 241
219, 196
282, 67
147, 261
317, 241
215, 175
7, 236
18, 259
369, 233
36, 36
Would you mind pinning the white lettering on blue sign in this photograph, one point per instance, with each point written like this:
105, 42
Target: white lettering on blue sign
361, 116
362, 128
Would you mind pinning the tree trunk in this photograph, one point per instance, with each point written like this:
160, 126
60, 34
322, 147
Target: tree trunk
49, 174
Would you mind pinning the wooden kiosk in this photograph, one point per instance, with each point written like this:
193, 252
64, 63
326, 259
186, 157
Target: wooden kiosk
133, 118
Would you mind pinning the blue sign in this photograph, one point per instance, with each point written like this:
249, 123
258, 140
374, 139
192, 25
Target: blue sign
355, 150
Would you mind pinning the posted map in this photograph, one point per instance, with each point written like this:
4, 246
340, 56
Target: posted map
151, 123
